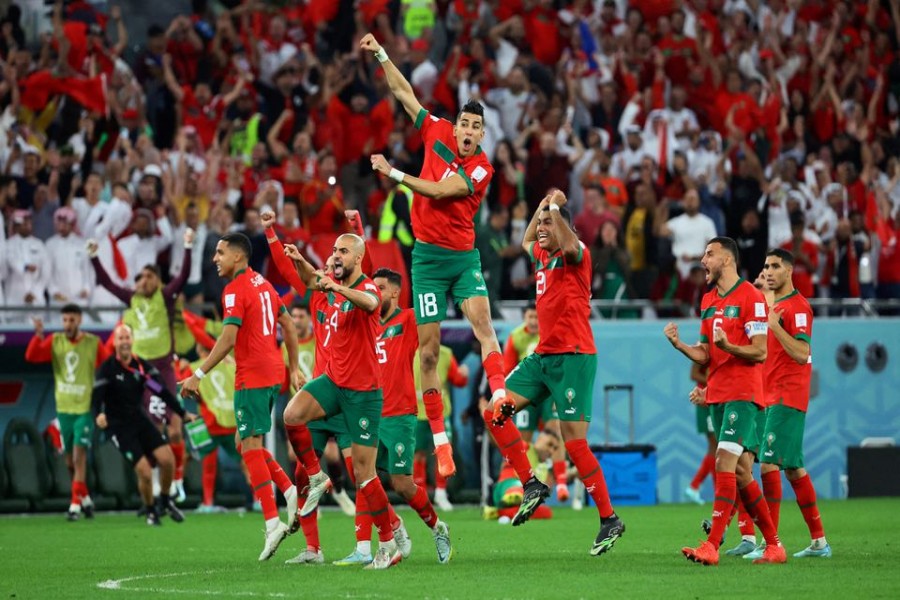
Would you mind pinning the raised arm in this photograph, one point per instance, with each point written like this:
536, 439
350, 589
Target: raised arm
175, 286
40, 348
569, 243
531, 231
123, 294
699, 352
284, 265
400, 87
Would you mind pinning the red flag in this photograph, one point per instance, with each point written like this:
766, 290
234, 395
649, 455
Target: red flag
197, 326
662, 134
118, 259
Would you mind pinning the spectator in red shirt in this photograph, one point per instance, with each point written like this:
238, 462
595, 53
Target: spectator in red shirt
679, 51
595, 213
323, 201
806, 256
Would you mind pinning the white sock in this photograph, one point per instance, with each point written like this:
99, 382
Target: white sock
364, 548
749, 538
290, 493
272, 523
157, 488
86, 501
441, 438
74, 508
819, 543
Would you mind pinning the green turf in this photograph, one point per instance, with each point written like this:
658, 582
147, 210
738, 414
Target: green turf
215, 556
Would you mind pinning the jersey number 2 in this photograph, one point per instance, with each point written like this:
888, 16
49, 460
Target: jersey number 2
268, 316
540, 281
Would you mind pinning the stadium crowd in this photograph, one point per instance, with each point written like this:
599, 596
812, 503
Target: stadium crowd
665, 123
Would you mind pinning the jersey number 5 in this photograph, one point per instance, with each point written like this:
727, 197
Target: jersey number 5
381, 352
268, 316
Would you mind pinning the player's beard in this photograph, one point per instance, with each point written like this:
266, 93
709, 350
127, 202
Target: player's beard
339, 271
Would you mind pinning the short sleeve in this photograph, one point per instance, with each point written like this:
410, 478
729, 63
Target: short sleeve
706, 329
232, 306
798, 324
757, 320
477, 174
369, 287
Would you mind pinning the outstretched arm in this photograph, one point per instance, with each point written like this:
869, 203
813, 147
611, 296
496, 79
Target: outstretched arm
400, 87
454, 186
123, 294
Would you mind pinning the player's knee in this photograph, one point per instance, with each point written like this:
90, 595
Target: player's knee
795, 474
143, 471
293, 414
428, 358
404, 485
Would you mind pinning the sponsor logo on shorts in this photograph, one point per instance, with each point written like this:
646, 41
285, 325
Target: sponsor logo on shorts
570, 410
365, 436
400, 465
729, 432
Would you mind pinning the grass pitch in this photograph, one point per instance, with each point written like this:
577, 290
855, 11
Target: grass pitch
214, 556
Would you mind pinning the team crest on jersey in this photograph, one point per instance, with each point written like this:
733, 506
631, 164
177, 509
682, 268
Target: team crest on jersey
363, 423
770, 438
570, 394
732, 312
399, 449
732, 417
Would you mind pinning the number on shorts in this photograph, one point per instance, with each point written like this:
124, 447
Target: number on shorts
157, 407
330, 326
428, 305
268, 316
540, 280
381, 352
522, 418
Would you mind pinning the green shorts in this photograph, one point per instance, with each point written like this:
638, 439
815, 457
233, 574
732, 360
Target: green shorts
704, 423
528, 418
397, 444
76, 430
425, 438
323, 429
361, 410
782, 442
226, 443
736, 422
564, 379
437, 271
253, 410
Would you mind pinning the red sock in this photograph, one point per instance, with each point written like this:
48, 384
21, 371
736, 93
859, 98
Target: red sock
511, 446
591, 475
210, 466
493, 369
282, 481
392, 517
261, 481
541, 512
723, 505
301, 442
422, 505
81, 489
440, 482
310, 526
707, 466
758, 509
434, 410
363, 518
76, 494
301, 479
420, 476
378, 505
178, 451
560, 472
348, 461
772, 489
806, 500
745, 521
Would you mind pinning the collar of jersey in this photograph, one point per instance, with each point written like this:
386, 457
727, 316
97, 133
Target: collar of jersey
236, 275
734, 287
358, 281
792, 294
396, 312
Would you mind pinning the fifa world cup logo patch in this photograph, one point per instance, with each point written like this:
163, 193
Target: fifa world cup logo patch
72, 359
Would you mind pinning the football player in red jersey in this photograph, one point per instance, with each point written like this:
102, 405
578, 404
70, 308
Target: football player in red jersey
563, 365
788, 376
447, 196
351, 384
734, 318
250, 305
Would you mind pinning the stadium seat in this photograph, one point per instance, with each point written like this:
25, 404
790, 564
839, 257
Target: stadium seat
23, 456
193, 482
7, 503
115, 477
60, 489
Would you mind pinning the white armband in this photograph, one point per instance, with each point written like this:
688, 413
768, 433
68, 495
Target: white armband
554, 207
381, 55
199, 373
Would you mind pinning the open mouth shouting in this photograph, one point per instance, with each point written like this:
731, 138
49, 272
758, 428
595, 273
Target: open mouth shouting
338, 269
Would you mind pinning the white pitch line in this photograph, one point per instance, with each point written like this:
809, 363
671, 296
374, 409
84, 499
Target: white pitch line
116, 584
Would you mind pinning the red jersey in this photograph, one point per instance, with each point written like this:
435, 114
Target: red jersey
563, 302
396, 348
251, 303
320, 313
350, 335
786, 381
449, 222
742, 314
203, 117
